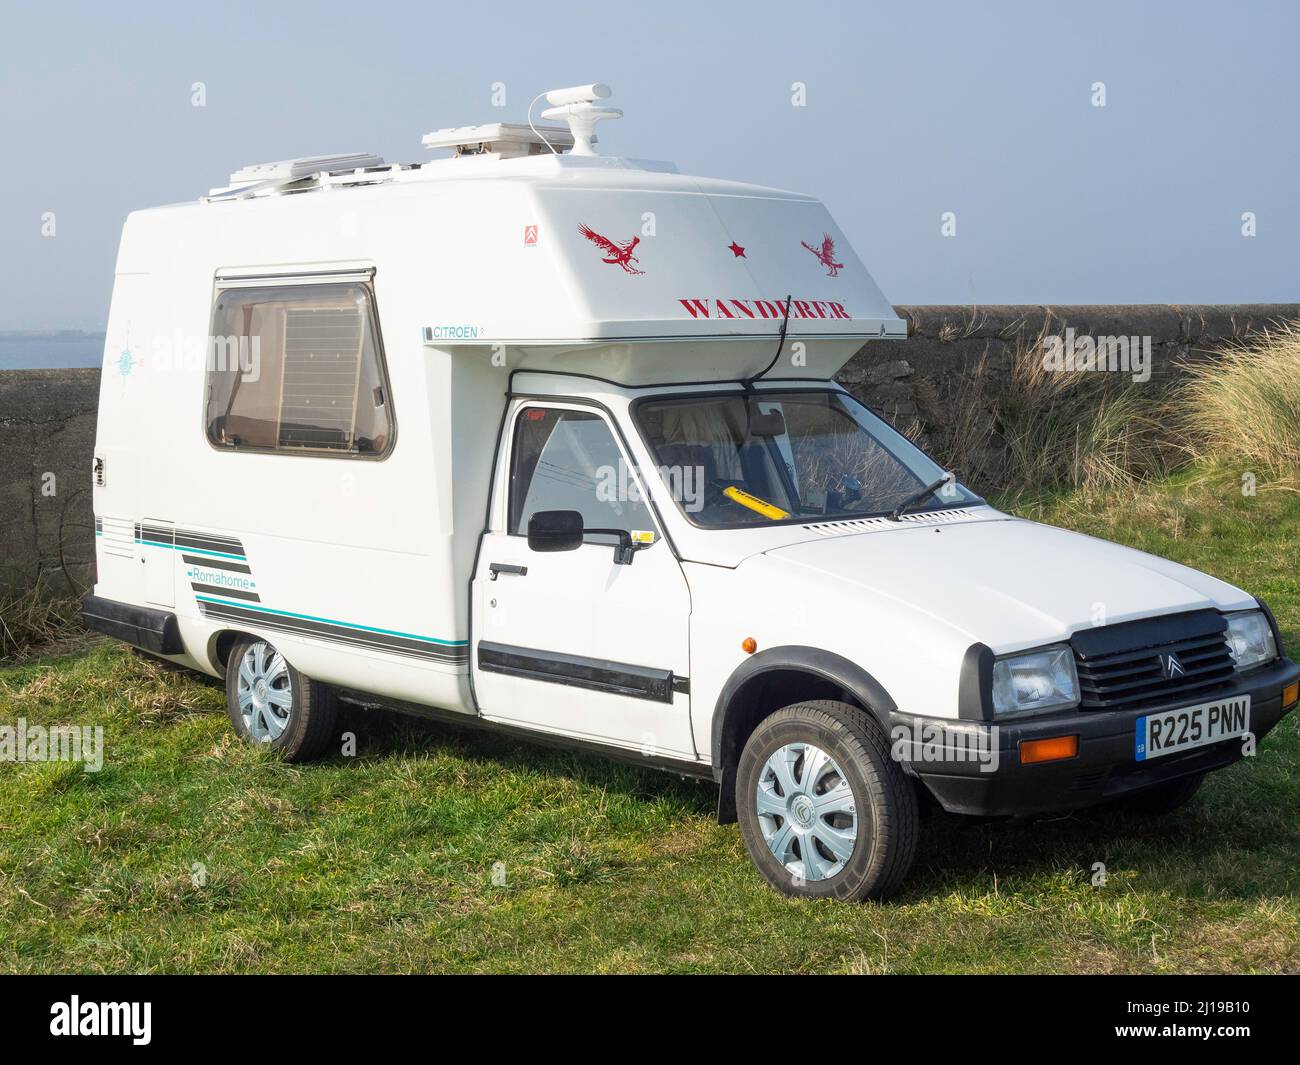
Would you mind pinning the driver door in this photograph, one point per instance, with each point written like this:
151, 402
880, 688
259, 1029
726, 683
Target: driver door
573, 642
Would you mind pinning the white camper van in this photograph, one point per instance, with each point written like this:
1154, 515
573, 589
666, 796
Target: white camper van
550, 441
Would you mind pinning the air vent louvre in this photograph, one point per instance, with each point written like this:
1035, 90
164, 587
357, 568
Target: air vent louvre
859, 525
118, 537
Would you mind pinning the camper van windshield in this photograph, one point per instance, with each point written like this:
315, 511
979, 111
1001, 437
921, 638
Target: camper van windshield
732, 460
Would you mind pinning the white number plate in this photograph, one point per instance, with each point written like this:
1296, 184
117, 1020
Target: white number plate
1191, 726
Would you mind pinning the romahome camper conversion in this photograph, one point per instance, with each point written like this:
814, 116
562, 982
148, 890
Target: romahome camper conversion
550, 440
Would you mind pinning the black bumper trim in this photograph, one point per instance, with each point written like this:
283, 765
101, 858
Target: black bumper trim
144, 627
954, 759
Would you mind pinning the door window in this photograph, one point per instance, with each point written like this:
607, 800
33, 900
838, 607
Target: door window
569, 460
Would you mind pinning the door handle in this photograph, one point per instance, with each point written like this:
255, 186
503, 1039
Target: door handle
498, 568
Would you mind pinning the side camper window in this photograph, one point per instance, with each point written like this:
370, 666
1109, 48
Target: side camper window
298, 369
569, 460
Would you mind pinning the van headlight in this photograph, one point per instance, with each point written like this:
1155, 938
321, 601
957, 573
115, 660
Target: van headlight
1250, 639
1035, 680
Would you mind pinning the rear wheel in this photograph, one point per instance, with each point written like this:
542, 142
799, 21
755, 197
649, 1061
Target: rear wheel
272, 704
823, 809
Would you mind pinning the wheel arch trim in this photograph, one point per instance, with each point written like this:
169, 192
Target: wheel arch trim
819, 663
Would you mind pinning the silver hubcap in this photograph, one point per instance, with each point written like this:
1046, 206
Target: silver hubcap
807, 812
265, 692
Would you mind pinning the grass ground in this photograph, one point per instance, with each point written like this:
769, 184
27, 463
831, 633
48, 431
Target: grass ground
386, 861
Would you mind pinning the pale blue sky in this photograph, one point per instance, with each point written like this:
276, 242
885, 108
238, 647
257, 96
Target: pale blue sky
913, 109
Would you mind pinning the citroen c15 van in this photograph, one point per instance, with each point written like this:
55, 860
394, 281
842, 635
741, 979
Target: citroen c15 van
550, 441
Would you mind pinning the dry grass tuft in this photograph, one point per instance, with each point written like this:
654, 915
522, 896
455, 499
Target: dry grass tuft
1245, 404
1044, 427
1083, 429
1033, 428
37, 622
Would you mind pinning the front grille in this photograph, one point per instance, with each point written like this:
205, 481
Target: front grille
1124, 667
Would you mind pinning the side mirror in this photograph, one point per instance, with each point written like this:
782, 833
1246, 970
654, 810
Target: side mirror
555, 530
562, 530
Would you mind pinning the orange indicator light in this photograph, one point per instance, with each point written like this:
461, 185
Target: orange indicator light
1048, 750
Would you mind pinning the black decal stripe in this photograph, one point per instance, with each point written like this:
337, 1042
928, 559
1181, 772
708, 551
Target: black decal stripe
208, 542
594, 674
229, 593
217, 563
336, 633
227, 545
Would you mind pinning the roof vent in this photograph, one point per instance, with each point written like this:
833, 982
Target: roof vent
296, 169
577, 106
502, 140
268, 179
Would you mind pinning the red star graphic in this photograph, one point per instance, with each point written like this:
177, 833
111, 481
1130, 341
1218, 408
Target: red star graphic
737, 250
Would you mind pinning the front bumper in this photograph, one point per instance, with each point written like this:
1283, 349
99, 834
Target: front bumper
974, 768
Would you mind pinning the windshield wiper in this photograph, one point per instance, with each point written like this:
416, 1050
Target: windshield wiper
916, 497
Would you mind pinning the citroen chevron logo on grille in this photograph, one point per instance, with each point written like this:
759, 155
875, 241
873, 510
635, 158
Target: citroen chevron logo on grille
1170, 666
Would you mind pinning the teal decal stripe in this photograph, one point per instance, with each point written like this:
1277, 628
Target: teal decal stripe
331, 621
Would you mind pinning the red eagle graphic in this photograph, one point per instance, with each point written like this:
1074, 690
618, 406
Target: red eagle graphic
826, 255
617, 254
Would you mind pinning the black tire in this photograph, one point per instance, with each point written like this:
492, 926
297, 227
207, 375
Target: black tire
1162, 798
884, 801
312, 712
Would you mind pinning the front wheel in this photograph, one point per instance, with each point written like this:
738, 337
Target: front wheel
823, 808
272, 704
